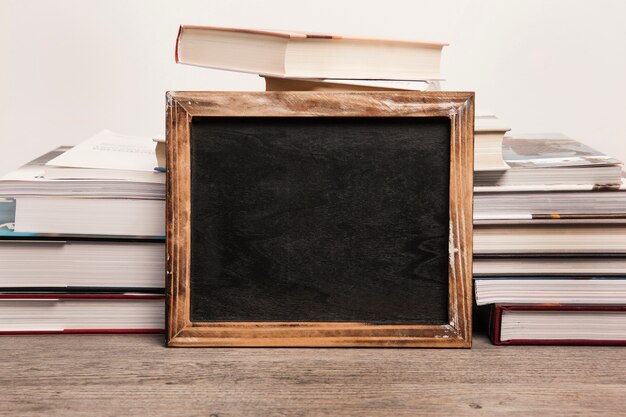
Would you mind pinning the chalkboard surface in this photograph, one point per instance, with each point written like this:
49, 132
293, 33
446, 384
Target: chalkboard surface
323, 219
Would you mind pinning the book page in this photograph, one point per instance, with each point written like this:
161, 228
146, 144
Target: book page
108, 150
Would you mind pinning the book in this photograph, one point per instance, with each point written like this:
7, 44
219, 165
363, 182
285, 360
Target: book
30, 180
548, 238
305, 55
549, 159
87, 265
107, 155
81, 313
555, 220
299, 84
546, 324
550, 290
113, 217
489, 133
558, 204
500, 266
32, 205
7, 229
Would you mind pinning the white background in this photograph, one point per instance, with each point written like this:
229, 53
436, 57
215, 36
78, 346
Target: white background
71, 68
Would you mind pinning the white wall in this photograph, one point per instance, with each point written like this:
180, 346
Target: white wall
71, 68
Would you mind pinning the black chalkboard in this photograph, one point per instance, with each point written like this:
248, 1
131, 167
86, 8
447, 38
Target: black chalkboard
319, 219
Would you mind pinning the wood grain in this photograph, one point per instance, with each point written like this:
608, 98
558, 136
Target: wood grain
183, 107
320, 219
136, 376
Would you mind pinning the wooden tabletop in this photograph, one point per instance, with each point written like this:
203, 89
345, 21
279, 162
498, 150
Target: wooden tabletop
136, 375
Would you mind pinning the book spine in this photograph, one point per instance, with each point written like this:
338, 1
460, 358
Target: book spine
180, 32
495, 322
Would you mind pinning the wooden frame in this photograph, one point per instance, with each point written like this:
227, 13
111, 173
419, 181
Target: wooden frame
182, 107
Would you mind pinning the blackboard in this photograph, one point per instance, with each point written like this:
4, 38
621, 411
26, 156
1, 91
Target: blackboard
305, 228
320, 219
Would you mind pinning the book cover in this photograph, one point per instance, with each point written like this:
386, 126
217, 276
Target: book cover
550, 162
551, 150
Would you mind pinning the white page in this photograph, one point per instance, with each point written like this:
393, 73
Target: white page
108, 150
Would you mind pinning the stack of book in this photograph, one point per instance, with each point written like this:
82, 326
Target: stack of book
550, 244
290, 61
82, 240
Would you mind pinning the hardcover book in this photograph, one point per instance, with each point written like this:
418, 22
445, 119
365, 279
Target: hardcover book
307, 55
558, 325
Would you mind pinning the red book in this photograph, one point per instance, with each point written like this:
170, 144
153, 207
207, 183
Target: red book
81, 313
557, 325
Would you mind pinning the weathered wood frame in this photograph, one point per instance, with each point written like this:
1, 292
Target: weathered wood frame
182, 107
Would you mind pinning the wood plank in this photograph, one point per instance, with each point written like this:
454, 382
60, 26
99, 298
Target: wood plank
136, 375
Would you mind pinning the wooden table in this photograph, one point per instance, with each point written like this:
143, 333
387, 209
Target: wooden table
135, 375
